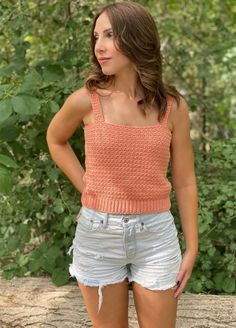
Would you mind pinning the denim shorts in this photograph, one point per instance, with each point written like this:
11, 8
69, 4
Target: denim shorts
109, 247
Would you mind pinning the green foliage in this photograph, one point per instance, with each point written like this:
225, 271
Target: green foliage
215, 267
46, 60
39, 72
200, 58
217, 218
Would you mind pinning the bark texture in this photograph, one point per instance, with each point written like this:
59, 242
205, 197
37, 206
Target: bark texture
37, 302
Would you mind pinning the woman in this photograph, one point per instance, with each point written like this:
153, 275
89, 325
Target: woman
133, 124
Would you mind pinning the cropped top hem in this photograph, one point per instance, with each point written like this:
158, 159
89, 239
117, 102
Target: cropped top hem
125, 206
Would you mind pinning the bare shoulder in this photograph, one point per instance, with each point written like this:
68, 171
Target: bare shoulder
70, 116
179, 114
79, 101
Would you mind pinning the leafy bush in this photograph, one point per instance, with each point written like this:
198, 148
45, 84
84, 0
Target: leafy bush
214, 271
41, 67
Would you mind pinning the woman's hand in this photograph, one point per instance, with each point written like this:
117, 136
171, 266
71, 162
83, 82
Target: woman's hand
185, 272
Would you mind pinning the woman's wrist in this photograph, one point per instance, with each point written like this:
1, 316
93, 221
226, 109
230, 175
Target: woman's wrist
192, 249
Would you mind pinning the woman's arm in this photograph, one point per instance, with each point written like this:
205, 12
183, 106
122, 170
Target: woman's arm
185, 187
61, 128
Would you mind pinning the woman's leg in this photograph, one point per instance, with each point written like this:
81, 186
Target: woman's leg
154, 270
114, 310
155, 309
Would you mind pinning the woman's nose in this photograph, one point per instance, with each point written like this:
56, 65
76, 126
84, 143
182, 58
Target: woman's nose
99, 46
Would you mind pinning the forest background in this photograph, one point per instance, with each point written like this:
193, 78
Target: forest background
45, 56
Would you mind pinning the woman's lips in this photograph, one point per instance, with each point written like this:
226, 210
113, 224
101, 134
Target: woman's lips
103, 60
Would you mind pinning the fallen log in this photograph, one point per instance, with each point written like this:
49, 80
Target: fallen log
37, 302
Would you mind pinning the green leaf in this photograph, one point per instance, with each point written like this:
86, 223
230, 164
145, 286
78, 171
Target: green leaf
17, 148
53, 252
35, 265
30, 82
67, 221
5, 109
21, 259
219, 278
197, 286
7, 161
60, 277
203, 227
211, 251
58, 206
25, 105
5, 180
228, 285
48, 264
52, 73
9, 133
24, 232
4, 88
13, 243
6, 71
58, 209
21, 271
8, 275
9, 266
53, 173
53, 106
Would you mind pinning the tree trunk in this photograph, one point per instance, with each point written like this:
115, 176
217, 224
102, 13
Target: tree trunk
37, 302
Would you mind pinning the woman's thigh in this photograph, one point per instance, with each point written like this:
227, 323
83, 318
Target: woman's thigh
155, 309
114, 310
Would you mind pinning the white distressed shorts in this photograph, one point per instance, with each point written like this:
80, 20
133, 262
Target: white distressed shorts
108, 247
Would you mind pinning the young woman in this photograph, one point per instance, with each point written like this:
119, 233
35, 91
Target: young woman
134, 125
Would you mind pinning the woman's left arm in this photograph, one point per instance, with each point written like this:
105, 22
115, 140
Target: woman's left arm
185, 188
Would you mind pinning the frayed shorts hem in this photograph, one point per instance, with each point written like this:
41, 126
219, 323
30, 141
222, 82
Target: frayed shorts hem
159, 288
100, 285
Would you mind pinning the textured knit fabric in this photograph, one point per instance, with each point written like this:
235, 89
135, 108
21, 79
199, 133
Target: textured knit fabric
126, 166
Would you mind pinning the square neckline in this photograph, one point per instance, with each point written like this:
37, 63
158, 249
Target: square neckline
122, 125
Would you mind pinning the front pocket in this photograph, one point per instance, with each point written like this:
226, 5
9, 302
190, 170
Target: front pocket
89, 223
160, 223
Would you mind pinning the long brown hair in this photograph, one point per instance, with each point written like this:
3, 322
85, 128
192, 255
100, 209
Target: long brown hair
135, 33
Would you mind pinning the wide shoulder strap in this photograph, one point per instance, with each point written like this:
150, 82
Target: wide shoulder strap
170, 104
96, 106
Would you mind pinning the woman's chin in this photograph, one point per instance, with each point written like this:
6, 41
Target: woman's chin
107, 72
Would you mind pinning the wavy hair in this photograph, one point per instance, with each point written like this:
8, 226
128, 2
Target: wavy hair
136, 36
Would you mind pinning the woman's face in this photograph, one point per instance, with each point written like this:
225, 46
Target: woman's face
111, 60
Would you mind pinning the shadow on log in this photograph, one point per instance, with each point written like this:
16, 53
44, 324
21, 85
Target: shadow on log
37, 302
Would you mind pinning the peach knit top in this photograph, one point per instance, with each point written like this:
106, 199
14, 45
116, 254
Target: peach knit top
126, 166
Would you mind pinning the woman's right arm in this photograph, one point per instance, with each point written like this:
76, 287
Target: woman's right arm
60, 130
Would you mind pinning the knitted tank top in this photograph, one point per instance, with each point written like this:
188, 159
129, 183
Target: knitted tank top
126, 166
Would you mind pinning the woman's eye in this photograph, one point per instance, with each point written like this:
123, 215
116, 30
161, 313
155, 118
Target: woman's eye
109, 35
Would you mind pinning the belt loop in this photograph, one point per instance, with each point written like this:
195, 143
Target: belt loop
105, 219
78, 215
